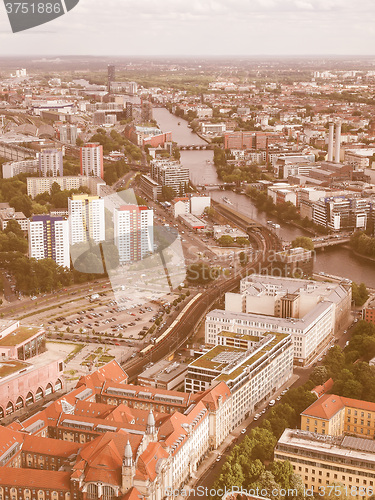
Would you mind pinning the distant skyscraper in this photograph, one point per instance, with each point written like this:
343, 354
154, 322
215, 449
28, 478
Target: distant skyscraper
49, 239
134, 232
111, 75
86, 218
68, 133
51, 163
92, 160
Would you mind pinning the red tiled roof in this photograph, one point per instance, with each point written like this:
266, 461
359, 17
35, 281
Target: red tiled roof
319, 390
132, 494
148, 461
34, 478
325, 407
49, 446
329, 404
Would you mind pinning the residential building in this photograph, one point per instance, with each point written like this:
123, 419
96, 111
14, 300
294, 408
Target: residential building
92, 160
8, 213
133, 232
68, 133
346, 463
50, 163
14, 168
198, 204
49, 239
151, 188
369, 312
180, 206
253, 367
169, 173
39, 185
86, 218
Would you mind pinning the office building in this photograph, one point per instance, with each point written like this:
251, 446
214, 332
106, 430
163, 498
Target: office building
49, 239
294, 262
86, 218
50, 163
92, 160
133, 232
336, 415
347, 463
171, 174
311, 310
253, 367
343, 213
111, 75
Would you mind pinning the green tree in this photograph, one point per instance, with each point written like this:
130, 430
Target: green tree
226, 240
304, 242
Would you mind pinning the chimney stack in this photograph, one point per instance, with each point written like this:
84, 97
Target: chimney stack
330, 141
338, 142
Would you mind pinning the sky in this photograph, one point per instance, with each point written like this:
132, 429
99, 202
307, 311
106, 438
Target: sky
200, 27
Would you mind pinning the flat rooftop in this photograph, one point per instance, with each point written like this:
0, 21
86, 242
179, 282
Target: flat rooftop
340, 448
232, 361
11, 367
20, 335
164, 371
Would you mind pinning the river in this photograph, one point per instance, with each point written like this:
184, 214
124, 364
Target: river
338, 261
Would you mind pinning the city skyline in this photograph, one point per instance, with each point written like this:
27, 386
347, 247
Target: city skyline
218, 27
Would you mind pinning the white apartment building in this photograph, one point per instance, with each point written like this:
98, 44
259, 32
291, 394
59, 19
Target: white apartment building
198, 204
171, 174
49, 239
14, 168
213, 128
133, 232
51, 163
92, 160
38, 185
180, 206
253, 367
86, 218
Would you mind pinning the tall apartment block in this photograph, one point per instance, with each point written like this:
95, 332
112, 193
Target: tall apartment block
49, 239
134, 232
51, 163
68, 133
92, 160
86, 218
171, 174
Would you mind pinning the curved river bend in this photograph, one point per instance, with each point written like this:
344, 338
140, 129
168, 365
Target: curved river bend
337, 261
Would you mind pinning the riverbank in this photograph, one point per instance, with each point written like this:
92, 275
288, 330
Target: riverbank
360, 255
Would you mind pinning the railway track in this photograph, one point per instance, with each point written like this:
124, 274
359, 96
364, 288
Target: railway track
184, 328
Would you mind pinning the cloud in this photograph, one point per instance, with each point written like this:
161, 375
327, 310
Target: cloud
162, 27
